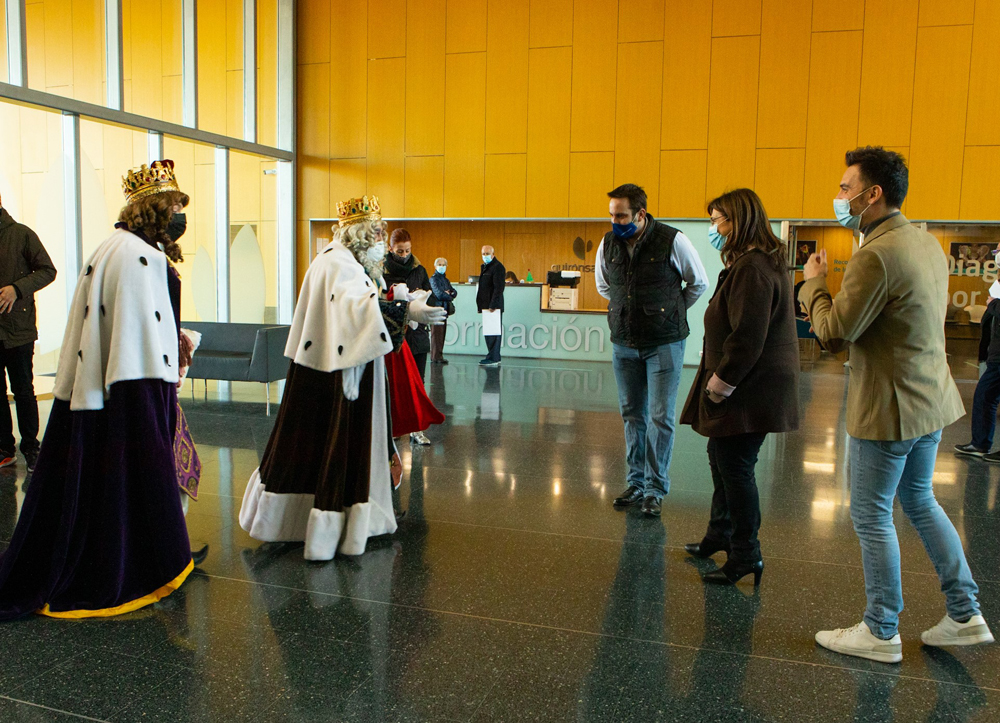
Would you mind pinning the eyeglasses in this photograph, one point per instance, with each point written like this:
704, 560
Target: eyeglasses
716, 219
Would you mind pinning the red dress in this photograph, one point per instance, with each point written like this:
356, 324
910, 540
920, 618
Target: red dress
412, 410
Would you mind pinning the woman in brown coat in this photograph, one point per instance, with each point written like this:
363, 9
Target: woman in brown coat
747, 383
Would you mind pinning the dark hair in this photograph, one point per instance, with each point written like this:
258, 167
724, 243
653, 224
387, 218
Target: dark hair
751, 227
151, 216
886, 169
635, 195
511, 276
399, 236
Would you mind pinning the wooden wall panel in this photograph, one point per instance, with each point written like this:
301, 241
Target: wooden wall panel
940, 99
735, 17
778, 180
34, 20
830, 15
213, 88
686, 74
640, 20
465, 134
732, 128
234, 34
315, 33
87, 56
591, 176
507, 77
424, 187
948, 12
386, 133
682, 184
981, 179
315, 180
387, 28
314, 112
58, 34
637, 135
550, 23
785, 38
889, 48
595, 57
984, 77
425, 46
834, 97
466, 26
549, 103
505, 185
348, 63
348, 179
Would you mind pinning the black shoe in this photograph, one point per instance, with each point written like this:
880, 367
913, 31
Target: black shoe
732, 572
199, 556
30, 460
993, 457
630, 496
399, 516
443, 361
651, 507
970, 450
706, 549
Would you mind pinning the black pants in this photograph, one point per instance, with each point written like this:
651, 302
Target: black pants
421, 360
735, 503
17, 361
493, 348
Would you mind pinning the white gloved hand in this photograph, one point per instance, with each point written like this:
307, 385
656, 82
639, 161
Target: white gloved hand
422, 313
400, 292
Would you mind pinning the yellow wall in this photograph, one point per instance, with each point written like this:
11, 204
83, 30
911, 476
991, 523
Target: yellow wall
536, 108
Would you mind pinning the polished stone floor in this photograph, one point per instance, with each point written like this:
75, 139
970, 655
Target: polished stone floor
514, 592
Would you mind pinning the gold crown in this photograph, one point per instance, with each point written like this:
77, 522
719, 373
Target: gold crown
356, 210
148, 180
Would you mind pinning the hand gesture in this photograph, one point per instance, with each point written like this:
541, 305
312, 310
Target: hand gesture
8, 295
815, 266
422, 313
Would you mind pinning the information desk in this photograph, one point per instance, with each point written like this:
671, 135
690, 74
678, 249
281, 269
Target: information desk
534, 332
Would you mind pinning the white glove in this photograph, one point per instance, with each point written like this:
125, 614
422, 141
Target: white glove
400, 292
352, 381
422, 313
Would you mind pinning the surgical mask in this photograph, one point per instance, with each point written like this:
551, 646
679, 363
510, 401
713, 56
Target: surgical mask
487, 259
177, 226
842, 210
624, 230
376, 252
715, 238
441, 269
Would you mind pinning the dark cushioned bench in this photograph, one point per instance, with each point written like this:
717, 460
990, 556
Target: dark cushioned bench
239, 353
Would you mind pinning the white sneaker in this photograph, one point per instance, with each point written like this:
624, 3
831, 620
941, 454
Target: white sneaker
419, 438
948, 632
859, 642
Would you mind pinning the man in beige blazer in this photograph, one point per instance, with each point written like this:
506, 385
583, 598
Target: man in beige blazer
891, 309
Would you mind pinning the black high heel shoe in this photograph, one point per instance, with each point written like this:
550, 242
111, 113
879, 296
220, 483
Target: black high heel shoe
704, 550
732, 572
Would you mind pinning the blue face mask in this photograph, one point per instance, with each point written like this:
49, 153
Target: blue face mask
842, 210
440, 269
624, 230
715, 238
487, 259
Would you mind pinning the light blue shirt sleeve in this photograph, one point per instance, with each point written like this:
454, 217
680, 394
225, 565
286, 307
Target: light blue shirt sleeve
688, 264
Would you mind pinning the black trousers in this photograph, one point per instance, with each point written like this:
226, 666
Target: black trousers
17, 362
493, 348
735, 502
421, 360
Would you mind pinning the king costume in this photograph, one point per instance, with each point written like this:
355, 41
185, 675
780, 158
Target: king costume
101, 531
325, 476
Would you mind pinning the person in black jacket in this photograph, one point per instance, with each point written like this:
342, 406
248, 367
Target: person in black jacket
489, 297
987, 396
402, 267
443, 295
25, 268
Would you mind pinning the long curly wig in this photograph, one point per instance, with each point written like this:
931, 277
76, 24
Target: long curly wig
358, 238
150, 217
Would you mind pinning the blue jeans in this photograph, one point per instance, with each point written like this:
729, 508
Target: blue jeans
984, 407
647, 394
880, 470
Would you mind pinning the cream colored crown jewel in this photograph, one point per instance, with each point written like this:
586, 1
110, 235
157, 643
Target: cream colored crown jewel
148, 180
356, 210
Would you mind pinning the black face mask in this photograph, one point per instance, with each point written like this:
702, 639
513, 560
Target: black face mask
177, 226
